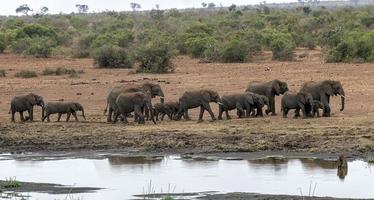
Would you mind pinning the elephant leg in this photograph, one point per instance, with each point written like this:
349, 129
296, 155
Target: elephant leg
317, 112
227, 114
297, 113
115, 118
58, 117
220, 107
13, 115
75, 116
156, 115
201, 113
31, 114
272, 103
326, 106
138, 112
22, 118
207, 107
259, 112
109, 117
285, 112
186, 116
162, 116
302, 108
68, 116
240, 110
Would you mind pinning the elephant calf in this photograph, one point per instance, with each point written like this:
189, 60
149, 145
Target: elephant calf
296, 101
24, 103
196, 98
259, 102
169, 108
240, 101
127, 103
69, 108
315, 108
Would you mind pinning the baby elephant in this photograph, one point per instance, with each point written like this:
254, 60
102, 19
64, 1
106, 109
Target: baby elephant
241, 101
259, 102
169, 108
63, 108
296, 101
316, 105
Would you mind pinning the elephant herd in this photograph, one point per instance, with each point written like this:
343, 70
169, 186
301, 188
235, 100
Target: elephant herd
124, 100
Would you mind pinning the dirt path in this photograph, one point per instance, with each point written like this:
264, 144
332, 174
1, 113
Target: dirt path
350, 131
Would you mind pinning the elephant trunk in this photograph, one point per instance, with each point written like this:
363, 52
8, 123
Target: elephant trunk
342, 95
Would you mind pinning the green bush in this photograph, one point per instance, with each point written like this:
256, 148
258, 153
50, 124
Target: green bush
354, 47
197, 44
26, 74
2, 42
83, 48
40, 47
235, 51
2, 73
155, 57
112, 57
36, 30
282, 46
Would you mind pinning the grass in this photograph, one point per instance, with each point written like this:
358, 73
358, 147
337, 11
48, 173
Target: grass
371, 160
2, 73
26, 74
11, 182
60, 71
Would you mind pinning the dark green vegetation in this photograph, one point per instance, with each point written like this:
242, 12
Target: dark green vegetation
118, 39
26, 74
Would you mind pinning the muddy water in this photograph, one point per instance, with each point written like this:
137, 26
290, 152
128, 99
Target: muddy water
124, 177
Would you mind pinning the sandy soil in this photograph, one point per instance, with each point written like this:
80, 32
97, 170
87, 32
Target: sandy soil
350, 131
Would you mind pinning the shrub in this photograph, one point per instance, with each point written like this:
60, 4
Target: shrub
353, 47
282, 46
155, 57
40, 47
112, 57
26, 74
196, 45
235, 51
2, 42
82, 50
60, 71
2, 73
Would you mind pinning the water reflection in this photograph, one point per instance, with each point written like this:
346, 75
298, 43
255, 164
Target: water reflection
276, 163
342, 167
133, 160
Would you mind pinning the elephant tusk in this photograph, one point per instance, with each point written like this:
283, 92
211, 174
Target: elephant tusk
342, 96
162, 97
219, 103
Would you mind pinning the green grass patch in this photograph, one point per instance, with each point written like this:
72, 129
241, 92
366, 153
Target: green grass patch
371, 160
11, 182
26, 74
2, 73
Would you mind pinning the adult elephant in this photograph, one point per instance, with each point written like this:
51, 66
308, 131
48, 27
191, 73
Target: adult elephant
24, 103
322, 91
147, 87
241, 101
196, 98
270, 90
133, 102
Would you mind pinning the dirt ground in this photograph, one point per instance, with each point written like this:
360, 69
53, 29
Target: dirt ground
350, 131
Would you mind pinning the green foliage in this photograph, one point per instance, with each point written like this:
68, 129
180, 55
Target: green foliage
40, 47
109, 56
197, 39
282, 46
11, 183
155, 56
83, 48
235, 51
354, 47
3, 44
26, 74
36, 30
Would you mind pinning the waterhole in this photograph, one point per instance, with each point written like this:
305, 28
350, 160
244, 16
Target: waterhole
122, 177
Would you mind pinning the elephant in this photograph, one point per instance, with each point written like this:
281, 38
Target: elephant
315, 108
169, 108
24, 103
127, 103
240, 101
296, 101
152, 88
270, 90
259, 102
63, 108
196, 98
322, 91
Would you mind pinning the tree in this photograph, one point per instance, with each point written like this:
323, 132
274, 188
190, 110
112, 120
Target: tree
204, 4
25, 9
355, 2
232, 7
82, 8
211, 5
135, 6
157, 6
44, 10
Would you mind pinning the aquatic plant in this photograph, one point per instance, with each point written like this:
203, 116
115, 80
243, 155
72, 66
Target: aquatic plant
371, 160
11, 182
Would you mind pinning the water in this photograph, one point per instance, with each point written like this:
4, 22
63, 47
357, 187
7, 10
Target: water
124, 177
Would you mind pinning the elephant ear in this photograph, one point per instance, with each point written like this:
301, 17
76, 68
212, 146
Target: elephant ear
33, 99
276, 87
207, 96
250, 99
74, 106
302, 97
327, 89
